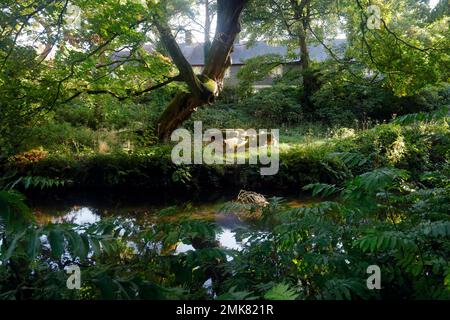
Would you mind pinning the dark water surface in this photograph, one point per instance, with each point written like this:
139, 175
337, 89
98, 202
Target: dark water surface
84, 211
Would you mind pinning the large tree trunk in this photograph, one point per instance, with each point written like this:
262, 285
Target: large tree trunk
207, 40
309, 78
219, 59
310, 84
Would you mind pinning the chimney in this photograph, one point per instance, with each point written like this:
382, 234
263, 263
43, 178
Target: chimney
188, 36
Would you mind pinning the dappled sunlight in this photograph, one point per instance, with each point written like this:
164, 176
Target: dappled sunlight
224, 150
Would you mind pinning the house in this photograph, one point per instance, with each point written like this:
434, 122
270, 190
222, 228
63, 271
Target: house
194, 54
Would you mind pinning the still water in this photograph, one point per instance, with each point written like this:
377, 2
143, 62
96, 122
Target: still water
83, 214
86, 213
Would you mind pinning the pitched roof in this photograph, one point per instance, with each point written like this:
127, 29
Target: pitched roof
242, 52
194, 52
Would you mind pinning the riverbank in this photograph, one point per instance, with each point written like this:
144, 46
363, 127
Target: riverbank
152, 174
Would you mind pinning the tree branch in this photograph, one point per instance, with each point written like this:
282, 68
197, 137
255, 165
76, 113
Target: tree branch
178, 58
121, 98
87, 56
51, 44
425, 50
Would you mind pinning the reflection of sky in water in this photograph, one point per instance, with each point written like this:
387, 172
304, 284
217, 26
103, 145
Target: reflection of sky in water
182, 248
85, 215
79, 216
226, 239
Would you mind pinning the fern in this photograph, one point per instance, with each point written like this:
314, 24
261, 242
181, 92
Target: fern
322, 189
343, 289
232, 294
412, 118
350, 159
281, 292
436, 229
385, 241
38, 182
380, 179
13, 210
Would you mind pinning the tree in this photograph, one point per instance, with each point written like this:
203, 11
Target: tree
203, 88
408, 51
291, 22
404, 52
46, 59
209, 8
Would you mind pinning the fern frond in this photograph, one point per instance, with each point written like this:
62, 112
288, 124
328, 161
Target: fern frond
322, 189
281, 292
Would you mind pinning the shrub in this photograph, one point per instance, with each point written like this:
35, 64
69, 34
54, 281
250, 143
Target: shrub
275, 106
77, 114
61, 137
29, 157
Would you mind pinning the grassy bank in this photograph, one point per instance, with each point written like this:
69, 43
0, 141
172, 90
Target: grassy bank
417, 147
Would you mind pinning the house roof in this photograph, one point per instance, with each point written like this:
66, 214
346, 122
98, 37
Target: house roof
194, 52
242, 52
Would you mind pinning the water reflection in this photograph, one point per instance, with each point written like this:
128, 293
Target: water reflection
227, 240
182, 248
147, 213
150, 215
81, 215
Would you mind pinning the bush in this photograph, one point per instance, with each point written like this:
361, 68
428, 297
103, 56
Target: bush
417, 147
351, 102
429, 99
340, 102
274, 106
61, 137
222, 115
78, 114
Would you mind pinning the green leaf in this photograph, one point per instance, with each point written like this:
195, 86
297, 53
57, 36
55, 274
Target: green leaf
281, 292
34, 243
56, 240
12, 247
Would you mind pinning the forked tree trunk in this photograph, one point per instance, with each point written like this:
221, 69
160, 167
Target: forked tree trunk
219, 60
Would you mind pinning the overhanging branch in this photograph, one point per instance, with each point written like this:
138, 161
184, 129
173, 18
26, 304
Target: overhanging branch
184, 67
121, 98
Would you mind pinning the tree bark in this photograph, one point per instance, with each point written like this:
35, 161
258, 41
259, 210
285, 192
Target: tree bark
310, 85
207, 40
219, 59
309, 79
185, 69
